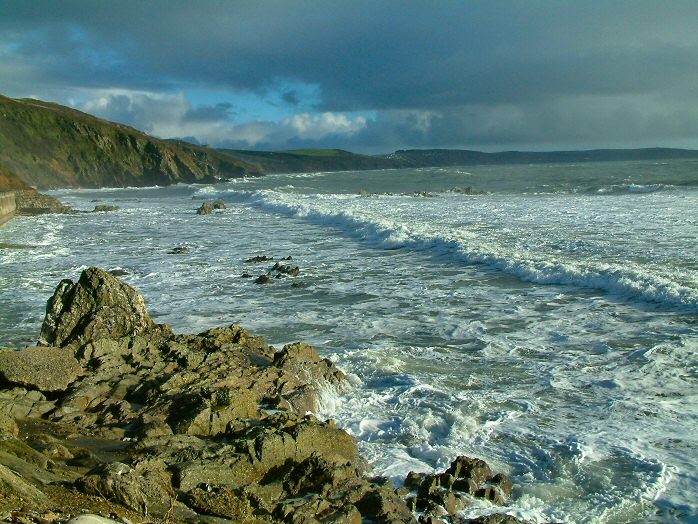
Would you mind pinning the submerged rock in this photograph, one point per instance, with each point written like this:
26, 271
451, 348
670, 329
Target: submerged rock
263, 279
259, 258
209, 207
104, 208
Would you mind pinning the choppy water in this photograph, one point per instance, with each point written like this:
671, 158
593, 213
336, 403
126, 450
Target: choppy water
549, 326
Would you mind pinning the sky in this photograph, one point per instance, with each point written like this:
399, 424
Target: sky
367, 76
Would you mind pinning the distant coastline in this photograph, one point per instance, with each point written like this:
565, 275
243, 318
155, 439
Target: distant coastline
48, 146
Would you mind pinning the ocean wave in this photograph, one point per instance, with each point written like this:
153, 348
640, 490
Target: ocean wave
622, 189
628, 280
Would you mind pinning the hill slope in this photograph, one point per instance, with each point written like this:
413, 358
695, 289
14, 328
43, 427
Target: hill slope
9, 181
310, 160
463, 157
48, 146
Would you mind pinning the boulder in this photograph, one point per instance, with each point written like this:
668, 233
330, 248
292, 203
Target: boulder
44, 368
263, 279
98, 306
205, 209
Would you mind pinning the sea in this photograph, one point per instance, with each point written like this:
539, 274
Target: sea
541, 317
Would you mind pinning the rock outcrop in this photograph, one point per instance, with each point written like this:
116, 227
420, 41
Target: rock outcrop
98, 306
212, 427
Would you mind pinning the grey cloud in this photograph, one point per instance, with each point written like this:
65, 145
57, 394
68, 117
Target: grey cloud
505, 72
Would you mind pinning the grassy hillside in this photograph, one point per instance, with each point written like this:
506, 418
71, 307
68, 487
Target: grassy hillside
48, 146
9, 181
310, 160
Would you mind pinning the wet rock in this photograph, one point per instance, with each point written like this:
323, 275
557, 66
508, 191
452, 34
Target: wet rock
414, 480
104, 208
381, 504
179, 250
98, 306
468, 473
205, 209
495, 518
299, 284
218, 416
286, 270
259, 258
246, 275
44, 368
218, 204
263, 279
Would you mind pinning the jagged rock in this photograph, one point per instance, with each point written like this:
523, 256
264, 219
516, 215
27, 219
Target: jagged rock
104, 208
30, 202
14, 484
504, 483
259, 258
263, 279
468, 474
20, 403
382, 504
196, 415
218, 204
217, 416
222, 501
123, 484
42, 368
286, 270
8, 425
205, 209
98, 306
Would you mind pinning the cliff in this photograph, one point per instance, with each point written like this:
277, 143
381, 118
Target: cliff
49, 146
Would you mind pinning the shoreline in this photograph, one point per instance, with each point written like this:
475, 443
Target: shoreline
116, 411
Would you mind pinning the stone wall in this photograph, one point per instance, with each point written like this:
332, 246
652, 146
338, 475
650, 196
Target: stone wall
7, 206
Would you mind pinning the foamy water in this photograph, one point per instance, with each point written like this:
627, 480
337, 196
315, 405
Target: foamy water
548, 326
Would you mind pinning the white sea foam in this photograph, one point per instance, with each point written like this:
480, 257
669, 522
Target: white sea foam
626, 280
587, 401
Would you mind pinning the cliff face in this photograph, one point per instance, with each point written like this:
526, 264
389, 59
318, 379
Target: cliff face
50, 146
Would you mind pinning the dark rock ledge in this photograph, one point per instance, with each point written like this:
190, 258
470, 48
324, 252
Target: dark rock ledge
114, 414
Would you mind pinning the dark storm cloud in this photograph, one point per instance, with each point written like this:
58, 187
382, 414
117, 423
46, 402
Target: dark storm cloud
433, 73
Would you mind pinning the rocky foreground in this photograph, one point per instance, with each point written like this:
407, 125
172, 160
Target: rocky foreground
114, 414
